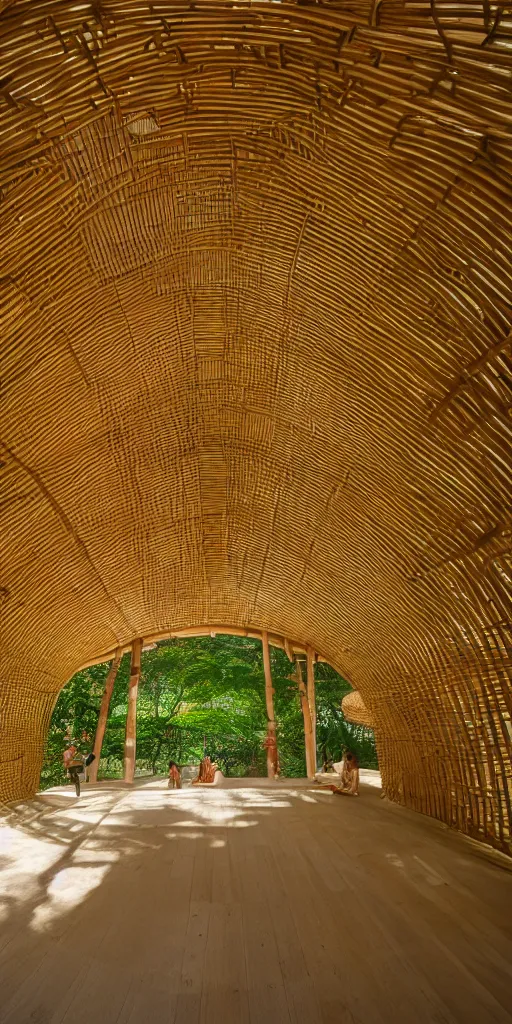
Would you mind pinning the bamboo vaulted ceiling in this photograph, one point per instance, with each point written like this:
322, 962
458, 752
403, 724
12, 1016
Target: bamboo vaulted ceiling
256, 357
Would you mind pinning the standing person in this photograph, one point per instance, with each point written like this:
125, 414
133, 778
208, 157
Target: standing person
73, 764
270, 744
174, 776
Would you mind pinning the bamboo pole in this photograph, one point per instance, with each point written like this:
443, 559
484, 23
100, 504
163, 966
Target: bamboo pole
272, 758
288, 650
103, 715
310, 655
308, 726
130, 742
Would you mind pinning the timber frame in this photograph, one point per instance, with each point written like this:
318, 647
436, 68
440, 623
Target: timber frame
307, 700
256, 296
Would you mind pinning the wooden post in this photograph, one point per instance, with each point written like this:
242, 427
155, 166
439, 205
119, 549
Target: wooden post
130, 741
102, 720
272, 758
308, 725
310, 655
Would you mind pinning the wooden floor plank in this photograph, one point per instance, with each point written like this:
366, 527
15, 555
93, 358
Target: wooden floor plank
257, 904
188, 1009
224, 977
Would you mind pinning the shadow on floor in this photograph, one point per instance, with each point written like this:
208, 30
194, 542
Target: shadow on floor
261, 904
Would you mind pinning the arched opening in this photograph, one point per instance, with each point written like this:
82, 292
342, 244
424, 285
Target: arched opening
256, 361
256, 369
205, 692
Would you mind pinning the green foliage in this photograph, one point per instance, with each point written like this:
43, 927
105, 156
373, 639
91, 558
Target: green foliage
75, 713
197, 694
334, 734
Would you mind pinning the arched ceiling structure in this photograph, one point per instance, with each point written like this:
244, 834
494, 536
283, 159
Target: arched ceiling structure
256, 357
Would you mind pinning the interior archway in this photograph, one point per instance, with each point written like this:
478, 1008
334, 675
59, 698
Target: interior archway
257, 360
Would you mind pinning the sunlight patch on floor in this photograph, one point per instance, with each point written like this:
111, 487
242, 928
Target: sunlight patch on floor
56, 850
66, 891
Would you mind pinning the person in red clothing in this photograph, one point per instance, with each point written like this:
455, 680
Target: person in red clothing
206, 773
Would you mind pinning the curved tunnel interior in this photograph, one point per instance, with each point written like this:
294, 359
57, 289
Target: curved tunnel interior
256, 359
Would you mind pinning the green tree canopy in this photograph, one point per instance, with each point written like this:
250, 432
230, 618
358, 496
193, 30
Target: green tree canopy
196, 694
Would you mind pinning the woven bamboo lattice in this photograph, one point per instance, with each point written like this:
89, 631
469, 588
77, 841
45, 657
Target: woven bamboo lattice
256, 358
355, 710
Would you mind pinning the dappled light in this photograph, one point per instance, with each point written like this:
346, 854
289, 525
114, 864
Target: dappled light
55, 857
155, 897
66, 891
257, 368
255, 512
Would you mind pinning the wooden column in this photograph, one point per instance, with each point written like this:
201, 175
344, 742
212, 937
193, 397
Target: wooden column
102, 720
130, 742
310, 659
272, 759
308, 725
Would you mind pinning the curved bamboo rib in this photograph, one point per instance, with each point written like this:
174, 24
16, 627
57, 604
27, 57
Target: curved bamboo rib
256, 353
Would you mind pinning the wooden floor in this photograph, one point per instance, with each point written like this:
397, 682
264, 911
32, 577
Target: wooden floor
259, 904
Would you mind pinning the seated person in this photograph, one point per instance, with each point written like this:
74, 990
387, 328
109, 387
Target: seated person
206, 774
349, 784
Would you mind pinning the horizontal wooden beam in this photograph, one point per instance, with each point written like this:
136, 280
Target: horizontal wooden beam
274, 639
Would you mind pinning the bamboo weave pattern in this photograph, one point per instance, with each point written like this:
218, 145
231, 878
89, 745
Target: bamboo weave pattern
256, 362
355, 710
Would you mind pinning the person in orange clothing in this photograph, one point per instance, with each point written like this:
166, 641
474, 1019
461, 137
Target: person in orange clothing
174, 776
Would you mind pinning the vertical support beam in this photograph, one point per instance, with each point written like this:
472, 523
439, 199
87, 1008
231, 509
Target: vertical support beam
272, 759
308, 726
310, 658
130, 741
102, 720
